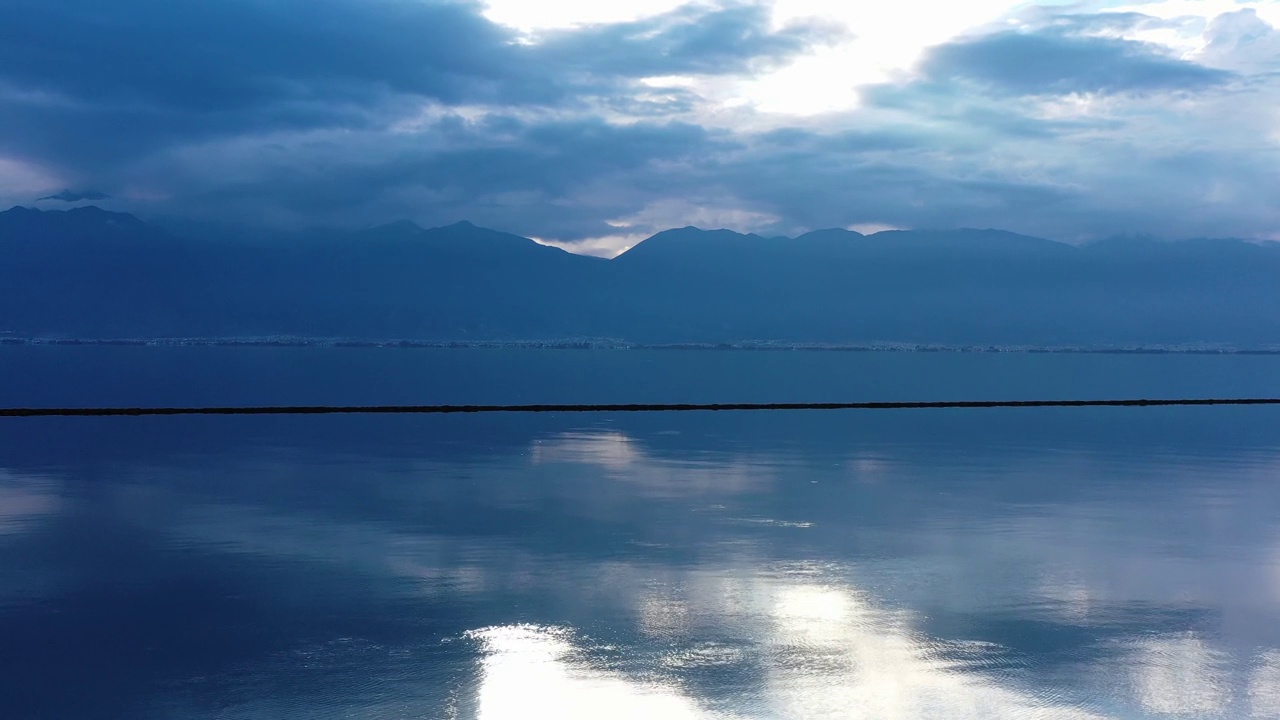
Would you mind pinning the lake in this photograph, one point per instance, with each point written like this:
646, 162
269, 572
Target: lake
992, 563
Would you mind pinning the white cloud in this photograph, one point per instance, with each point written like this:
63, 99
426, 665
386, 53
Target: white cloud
1241, 41
1170, 9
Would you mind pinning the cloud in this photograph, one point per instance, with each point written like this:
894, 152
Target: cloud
540, 176
692, 39
68, 195
980, 163
90, 87
240, 53
1046, 63
1243, 41
88, 84
352, 112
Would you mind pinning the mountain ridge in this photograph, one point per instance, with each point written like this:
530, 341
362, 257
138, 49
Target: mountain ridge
407, 225
88, 272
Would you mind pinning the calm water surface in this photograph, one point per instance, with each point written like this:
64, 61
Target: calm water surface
1059, 563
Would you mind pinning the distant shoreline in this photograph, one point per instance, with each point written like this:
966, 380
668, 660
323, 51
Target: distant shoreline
607, 344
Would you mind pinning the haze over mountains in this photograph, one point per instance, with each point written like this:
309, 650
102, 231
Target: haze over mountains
89, 273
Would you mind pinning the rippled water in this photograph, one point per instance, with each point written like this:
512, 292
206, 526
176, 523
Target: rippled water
1052, 563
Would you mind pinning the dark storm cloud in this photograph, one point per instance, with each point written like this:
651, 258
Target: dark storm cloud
234, 54
547, 158
86, 86
96, 139
101, 83
1045, 62
907, 179
519, 174
565, 179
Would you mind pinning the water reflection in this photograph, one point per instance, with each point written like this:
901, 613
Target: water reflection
1264, 686
529, 669
668, 570
24, 500
623, 459
820, 651
1180, 675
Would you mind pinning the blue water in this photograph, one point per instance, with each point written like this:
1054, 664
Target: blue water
1052, 563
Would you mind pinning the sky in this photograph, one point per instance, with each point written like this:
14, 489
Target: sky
591, 125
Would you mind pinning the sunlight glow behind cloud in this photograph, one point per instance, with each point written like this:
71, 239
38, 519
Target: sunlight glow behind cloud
887, 39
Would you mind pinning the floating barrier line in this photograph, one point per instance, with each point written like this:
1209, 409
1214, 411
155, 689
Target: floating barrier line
583, 408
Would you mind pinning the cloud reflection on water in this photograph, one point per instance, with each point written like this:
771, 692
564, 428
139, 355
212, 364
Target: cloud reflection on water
810, 617
24, 500
1182, 676
627, 460
1264, 686
530, 671
824, 650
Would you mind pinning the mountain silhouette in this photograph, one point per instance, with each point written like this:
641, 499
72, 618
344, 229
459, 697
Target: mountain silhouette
90, 273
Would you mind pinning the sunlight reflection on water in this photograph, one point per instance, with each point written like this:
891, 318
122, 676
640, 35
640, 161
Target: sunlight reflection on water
823, 651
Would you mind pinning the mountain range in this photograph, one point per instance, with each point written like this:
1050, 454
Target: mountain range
90, 273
